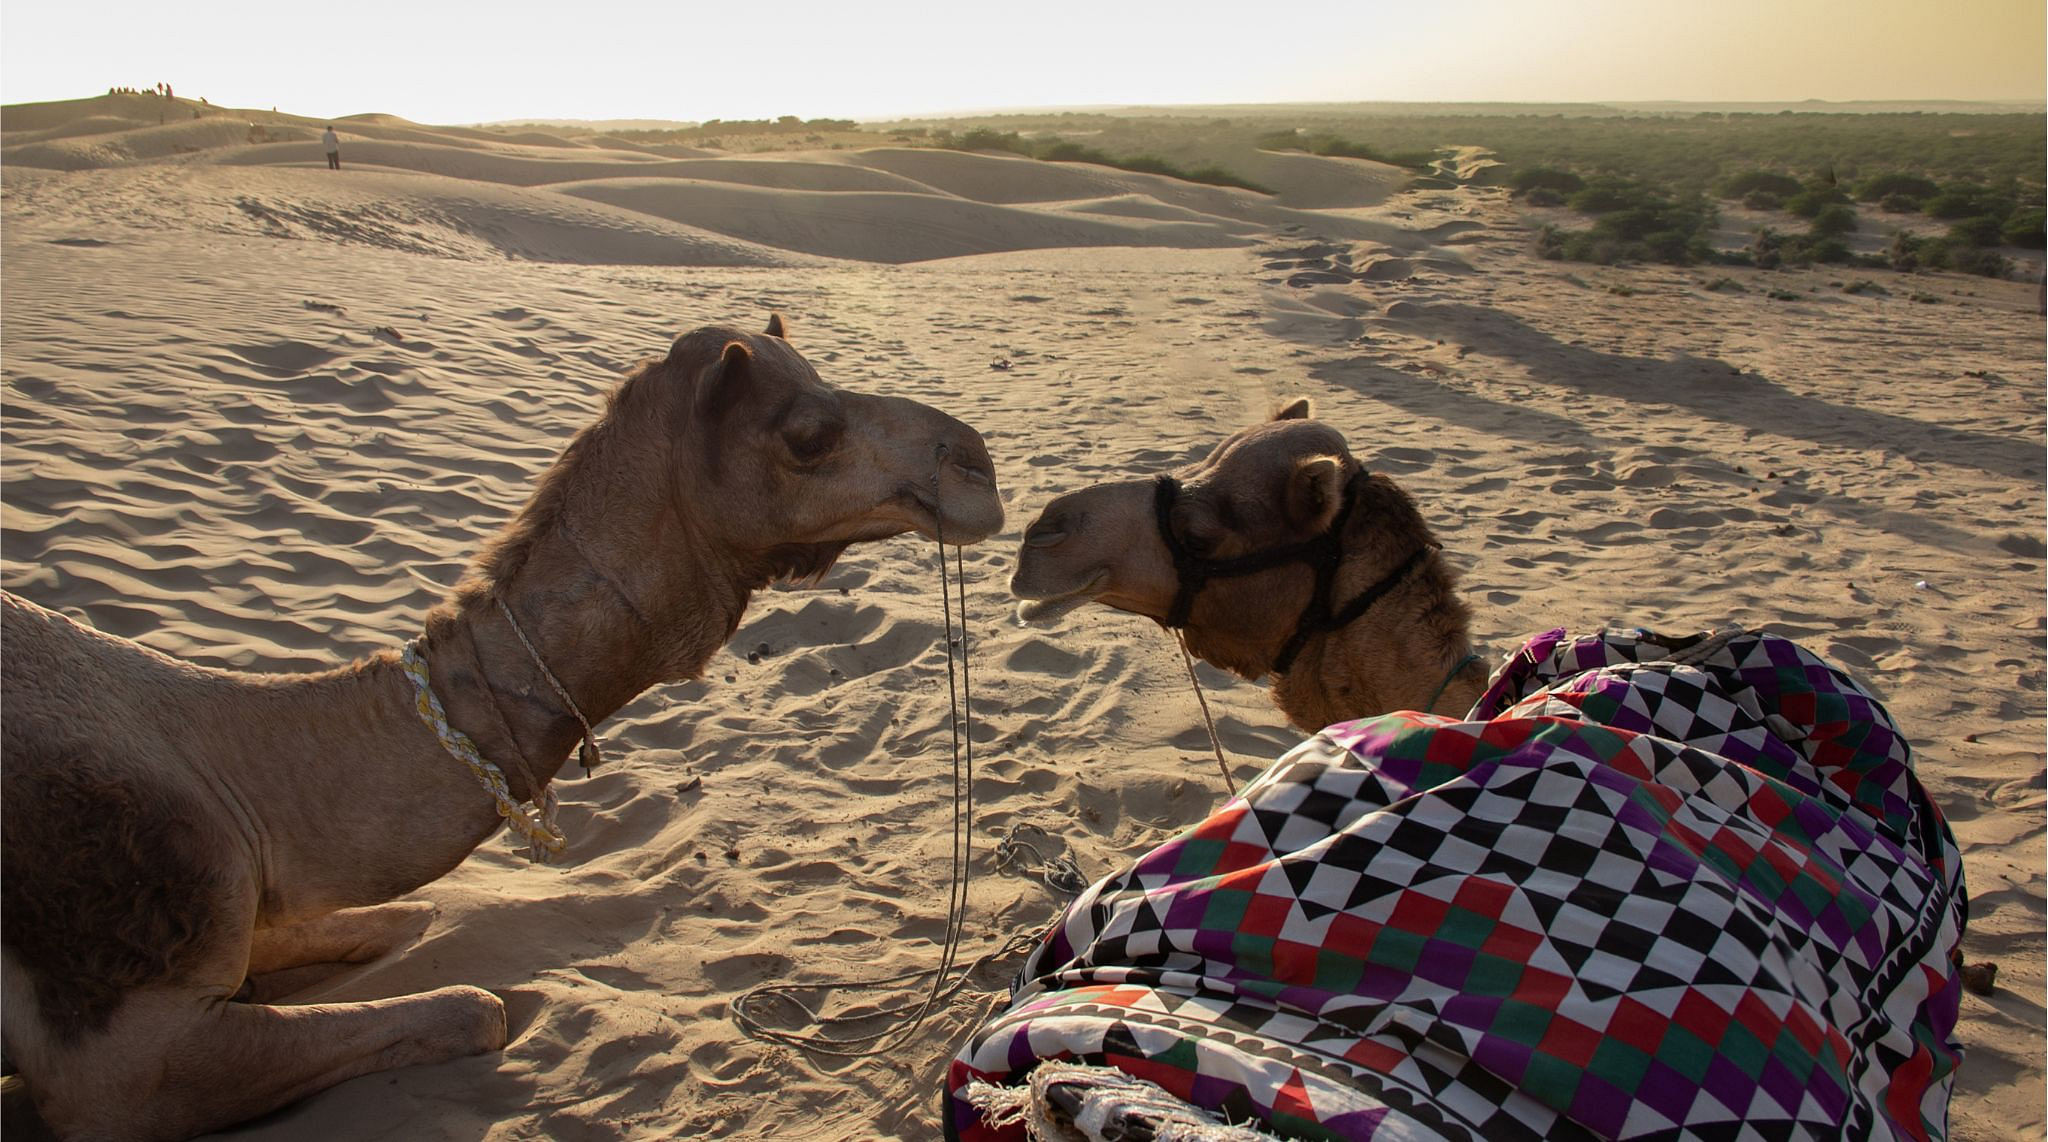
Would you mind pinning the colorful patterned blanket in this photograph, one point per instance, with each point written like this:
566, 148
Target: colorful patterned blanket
1647, 888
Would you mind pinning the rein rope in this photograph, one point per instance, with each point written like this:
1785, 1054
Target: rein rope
750, 1008
1215, 743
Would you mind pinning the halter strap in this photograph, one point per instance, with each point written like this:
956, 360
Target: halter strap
1324, 552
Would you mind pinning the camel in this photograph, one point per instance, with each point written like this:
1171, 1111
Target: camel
1277, 554
174, 830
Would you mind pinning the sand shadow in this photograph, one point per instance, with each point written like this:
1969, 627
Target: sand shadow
1427, 399
1715, 390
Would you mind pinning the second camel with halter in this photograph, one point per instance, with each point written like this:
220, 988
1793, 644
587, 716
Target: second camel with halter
1279, 554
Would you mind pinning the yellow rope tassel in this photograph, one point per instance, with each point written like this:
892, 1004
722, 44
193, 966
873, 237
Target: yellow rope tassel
536, 823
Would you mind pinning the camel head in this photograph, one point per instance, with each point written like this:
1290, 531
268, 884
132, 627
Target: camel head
1252, 521
795, 470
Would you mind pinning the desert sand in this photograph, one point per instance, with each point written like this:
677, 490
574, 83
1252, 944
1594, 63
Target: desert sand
253, 409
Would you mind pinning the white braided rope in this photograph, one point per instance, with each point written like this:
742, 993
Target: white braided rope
536, 823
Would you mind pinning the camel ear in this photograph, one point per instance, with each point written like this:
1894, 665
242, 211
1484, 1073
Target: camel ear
721, 386
775, 326
1300, 408
1315, 490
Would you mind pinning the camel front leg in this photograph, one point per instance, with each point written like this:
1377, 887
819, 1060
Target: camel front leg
291, 958
348, 936
155, 1075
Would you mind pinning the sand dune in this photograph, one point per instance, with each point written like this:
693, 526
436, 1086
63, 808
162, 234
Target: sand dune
246, 398
880, 227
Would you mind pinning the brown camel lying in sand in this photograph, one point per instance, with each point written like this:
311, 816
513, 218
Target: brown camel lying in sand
1277, 554
173, 830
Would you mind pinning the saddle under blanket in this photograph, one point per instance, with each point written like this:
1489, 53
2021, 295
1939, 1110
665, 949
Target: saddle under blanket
1646, 888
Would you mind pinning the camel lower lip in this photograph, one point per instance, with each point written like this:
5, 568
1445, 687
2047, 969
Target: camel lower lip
1040, 612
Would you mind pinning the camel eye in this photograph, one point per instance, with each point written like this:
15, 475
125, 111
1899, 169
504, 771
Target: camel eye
1203, 539
811, 441
1046, 533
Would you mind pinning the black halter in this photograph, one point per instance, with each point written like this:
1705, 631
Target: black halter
1325, 553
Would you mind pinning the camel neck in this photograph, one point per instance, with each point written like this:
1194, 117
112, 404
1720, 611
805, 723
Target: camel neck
1411, 651
606, 625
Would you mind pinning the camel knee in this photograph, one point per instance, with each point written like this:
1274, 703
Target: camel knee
464, 1021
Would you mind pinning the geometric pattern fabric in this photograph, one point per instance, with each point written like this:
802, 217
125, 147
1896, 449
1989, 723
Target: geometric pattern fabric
1646, 888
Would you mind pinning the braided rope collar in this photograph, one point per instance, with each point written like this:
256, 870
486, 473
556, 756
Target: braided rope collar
535, 822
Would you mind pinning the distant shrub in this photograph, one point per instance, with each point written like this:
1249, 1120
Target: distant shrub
1980, 231
1904, 252
1899, 204
1762, 200
1605, 194
1336, 146
2024, 228
1878, 187
1559, 182
1773, 250
1946, 253
1982, 262
983, 139
1635, 223
1543, 196
1726, 285
1777, 294
1743, 184
1834, 219
1816, 197
1964, 200
1866, 286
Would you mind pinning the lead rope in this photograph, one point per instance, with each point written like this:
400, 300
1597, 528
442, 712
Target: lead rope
1215, 743
906, 1018
590, 755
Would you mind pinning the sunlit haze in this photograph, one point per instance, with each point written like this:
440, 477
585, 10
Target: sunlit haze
447, 63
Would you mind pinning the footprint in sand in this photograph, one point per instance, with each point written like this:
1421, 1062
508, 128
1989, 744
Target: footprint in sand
1674, 518
1038, 656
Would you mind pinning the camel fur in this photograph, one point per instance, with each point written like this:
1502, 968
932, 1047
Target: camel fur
175, 832
1266, 487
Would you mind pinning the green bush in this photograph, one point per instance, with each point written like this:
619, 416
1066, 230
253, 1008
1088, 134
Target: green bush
983, 139
1899, 204
1770, 182
1543, 196
1904, 252
1834, 219
1965, 200
1983, 230
1559, 182
1336, 146
2024, 228
1878, 187
1604, 194
1816, 197
1773, 250
1762, 200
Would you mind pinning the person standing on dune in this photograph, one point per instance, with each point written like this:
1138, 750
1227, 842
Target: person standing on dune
333, 144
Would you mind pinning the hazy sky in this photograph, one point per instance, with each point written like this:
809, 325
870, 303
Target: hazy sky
440, 62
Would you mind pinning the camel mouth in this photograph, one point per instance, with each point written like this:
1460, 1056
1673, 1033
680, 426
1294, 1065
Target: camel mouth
959, 520
1043, 612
